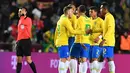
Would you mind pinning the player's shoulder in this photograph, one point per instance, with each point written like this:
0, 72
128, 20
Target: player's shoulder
80, 17
87, 19
99, 19
109, 15
74, 16
62, 15
28, 18
64, 19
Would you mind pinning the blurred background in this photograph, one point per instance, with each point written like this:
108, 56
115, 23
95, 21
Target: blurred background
45, 14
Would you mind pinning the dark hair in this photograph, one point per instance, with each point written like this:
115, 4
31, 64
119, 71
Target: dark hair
25, 8
105, 5
94, 8
82, 8
66, 8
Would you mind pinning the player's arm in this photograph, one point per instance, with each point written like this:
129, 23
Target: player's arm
110, 24
55, 37
68, 25
74, 22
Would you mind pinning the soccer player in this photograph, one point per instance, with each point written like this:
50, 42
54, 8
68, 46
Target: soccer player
23, 40
108, 41
81, 46
96, 37
73, 20
61, 37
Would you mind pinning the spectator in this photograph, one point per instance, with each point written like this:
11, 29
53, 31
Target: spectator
48, 44
125, 42
38, 25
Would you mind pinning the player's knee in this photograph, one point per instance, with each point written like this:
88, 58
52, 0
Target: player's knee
110, 59
94, 59
63, 60
19, 59
28, 59
72, 57
83, 59
68, 58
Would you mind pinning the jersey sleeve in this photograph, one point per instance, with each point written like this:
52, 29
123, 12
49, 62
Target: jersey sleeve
55, 37
110, 24
74, 22
68, 25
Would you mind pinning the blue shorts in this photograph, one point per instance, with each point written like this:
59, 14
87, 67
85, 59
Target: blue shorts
71, 41
63, 52
95, 51
108, 51
78, 51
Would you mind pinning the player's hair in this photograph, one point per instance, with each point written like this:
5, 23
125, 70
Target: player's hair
82, 8
71, 5
66, 8
105, 5
25, 8
94, 8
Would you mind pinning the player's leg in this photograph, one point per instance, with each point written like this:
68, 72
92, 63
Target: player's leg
19, 64
71, 42
109, 54
73, 65
71, 60
90, 59
75, 53
63, 52
84, 54
101, 61
26, 45
19, 54
31, 63
95, 55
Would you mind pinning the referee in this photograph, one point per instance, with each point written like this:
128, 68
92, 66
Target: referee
23, 40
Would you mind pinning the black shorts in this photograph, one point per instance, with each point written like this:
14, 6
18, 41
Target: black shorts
23, 47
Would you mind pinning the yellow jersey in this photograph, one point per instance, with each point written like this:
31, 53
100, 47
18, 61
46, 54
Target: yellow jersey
97, 29
73, 21
109, 30
83, 23
63, 27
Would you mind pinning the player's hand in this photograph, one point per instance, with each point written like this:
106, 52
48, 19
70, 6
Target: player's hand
102, 42
96, 40
89, 31
83, 46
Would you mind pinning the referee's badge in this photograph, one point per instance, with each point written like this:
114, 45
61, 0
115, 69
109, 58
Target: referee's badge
22, 26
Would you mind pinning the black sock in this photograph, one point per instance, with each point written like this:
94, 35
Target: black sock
19, 66
32, 65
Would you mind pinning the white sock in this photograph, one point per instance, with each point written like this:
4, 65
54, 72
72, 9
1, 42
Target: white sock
73, 66
67, 63
84, 67
80, 67
100, 67
111, 66
91, 67
95, 67
61, 67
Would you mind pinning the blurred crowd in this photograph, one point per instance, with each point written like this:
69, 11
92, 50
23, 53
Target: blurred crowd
45, 14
